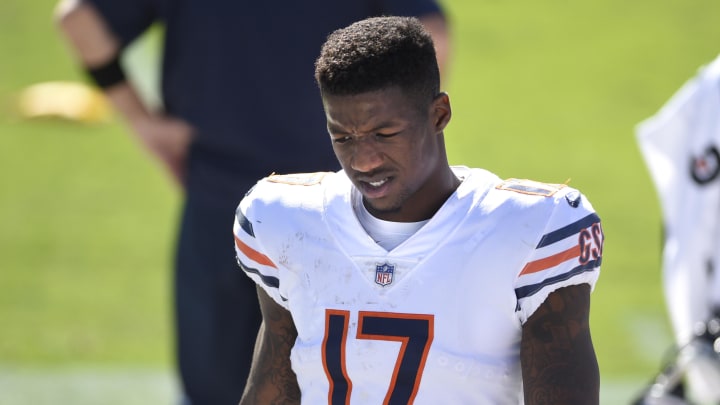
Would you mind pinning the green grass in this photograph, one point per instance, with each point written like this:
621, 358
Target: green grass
545, 90
87, 222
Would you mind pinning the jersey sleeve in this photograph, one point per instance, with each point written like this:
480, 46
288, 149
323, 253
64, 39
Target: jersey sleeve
127, 19
569, 252
250, 255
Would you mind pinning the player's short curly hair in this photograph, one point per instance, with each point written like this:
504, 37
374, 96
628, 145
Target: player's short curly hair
377, 53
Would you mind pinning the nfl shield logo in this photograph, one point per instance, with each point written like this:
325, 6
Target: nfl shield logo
384, 274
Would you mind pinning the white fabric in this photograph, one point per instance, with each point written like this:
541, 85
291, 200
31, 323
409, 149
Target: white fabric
676, 142
385, 233
466, 281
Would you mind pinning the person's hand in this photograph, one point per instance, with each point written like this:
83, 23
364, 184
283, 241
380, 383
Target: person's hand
168, 139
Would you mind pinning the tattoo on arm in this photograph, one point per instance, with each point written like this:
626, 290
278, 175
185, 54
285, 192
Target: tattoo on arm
272, 380
559, 365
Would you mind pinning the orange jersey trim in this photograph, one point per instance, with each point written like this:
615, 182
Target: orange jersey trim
253, 254
550, 261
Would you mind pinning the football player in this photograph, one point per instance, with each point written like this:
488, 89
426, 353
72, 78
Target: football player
680, 146
401, 279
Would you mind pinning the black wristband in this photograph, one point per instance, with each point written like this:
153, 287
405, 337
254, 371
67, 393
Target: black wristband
108, 74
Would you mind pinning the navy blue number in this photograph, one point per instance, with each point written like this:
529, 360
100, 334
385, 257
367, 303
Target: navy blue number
413, 332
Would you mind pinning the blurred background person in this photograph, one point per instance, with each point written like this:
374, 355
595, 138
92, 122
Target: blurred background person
238, 103
680, 145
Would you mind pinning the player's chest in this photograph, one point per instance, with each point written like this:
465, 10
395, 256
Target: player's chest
465, 273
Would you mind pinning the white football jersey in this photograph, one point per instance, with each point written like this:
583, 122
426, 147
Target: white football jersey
681, 146
436, 320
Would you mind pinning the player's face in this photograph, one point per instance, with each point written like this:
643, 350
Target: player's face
392, 151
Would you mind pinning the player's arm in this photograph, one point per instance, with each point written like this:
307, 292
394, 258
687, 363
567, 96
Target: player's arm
558, 359
98, 50
271, 379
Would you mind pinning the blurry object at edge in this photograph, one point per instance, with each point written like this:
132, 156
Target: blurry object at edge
65, 100
701, 358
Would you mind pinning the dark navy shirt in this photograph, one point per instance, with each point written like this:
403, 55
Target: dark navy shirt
241, 72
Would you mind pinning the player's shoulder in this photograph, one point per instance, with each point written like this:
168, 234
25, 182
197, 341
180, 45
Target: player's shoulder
288, 188
278, 197
529, 187
558, 203
548, 211
537, 192
491, 190
297, 179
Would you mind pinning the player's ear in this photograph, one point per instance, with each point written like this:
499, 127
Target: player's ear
440, 111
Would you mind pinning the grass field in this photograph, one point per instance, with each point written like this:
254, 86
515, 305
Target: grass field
548, 90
